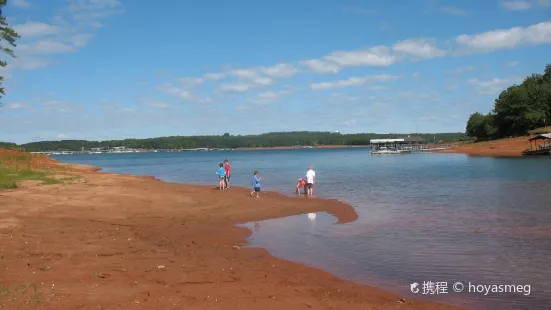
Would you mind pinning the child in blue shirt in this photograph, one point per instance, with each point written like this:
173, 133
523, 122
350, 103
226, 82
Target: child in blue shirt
256, 184
221, 176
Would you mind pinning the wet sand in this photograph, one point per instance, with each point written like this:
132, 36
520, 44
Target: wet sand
512, 147
109, 241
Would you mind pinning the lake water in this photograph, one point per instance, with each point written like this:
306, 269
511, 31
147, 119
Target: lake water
423, 217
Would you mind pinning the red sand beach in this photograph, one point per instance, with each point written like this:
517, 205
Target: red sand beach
109, 241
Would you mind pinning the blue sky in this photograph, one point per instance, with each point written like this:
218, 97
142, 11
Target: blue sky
114, 69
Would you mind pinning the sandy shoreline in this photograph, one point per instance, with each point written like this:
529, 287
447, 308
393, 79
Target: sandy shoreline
512, 147
121, 241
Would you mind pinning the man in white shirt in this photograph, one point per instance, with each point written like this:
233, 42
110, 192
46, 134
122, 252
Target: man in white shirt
310, 180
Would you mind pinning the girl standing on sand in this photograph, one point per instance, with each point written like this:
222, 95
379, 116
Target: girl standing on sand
221, 176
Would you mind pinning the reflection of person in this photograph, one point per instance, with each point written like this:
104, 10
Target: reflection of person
221, 175
228, 173
310, 180
301, 183
256, 184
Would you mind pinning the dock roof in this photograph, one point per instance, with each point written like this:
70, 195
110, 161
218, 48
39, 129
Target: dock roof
541, 137
373, 141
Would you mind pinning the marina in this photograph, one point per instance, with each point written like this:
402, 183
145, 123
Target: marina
122, 150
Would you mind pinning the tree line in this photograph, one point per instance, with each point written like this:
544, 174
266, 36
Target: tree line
7, 41
275, 139
517, 110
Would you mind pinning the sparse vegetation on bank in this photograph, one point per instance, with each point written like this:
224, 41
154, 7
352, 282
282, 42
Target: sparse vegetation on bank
17, 167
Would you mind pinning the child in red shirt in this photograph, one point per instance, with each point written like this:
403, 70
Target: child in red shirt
227, 167
301, 183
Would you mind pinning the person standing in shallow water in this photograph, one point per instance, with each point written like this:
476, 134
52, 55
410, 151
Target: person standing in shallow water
310, 180
221, 176
256, 184
227, 167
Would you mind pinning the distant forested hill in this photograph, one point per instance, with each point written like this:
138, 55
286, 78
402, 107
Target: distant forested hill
230, 141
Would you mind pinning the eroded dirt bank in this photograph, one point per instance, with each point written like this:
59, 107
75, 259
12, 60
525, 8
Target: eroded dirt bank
512, 147
112, 241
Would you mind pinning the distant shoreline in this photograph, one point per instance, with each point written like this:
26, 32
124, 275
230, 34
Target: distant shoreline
301, 147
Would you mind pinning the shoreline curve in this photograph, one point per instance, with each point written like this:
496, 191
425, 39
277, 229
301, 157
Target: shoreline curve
108, 239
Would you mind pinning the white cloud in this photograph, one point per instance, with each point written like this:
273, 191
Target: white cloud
238, 87
490, 87
60, 136
350, 123
280, 70
506, 38
428, 118
16, 106
453, 11
20, 4
354, 81
269, 97
69, 31
191, 81
513, 63
45, 47
173, 90
359, 10
462, 70
321, 66
378, 87
516, 5
378, 56
32, 29
158, 105
213, 76
418, 48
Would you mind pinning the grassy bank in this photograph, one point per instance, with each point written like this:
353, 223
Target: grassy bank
17, 167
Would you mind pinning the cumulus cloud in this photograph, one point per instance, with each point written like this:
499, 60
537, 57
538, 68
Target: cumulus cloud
506, 38
492, 86
173, 90
32, 29
461, 70
321, 66
69, 30
20, 4
16, 106
522, 5
354, 81
453, 11
418, 48
269, 97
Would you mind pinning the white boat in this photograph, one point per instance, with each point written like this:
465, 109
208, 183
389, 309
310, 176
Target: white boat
385, 151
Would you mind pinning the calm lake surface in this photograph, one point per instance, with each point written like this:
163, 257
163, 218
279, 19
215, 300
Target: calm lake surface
423, 217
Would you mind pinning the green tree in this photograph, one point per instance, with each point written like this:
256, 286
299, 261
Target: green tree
7, 41
476, 126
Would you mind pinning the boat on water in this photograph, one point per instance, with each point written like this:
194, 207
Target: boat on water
386, 151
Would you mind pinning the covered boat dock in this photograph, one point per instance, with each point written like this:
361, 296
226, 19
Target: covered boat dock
539, 149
